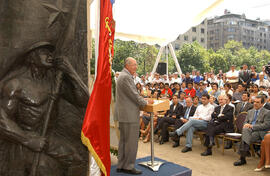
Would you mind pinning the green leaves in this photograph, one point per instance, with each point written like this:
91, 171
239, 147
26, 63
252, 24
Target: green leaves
190, 56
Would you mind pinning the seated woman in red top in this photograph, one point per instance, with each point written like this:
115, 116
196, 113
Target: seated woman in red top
166, 92
190, 91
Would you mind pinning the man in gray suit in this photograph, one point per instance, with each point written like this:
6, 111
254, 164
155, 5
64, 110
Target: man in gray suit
256, 125
127, 111
244, 105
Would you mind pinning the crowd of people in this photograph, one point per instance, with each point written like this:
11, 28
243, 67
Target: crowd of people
211, 103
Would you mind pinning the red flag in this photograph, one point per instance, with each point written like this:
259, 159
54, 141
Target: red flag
96, 126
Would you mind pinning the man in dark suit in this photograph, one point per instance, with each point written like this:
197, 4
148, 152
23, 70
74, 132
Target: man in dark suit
175, 111
256, 125
188, 111
245, 75
244, 105
221, 122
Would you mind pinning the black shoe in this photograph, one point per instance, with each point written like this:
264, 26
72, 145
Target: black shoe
173, 134
119, 170
132, 171
206, 153
186, 149
240, 162
176, 144
162, 141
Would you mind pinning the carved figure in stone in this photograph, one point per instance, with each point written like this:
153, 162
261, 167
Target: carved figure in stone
25, 94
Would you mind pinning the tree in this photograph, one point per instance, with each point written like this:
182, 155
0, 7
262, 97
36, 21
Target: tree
193, 56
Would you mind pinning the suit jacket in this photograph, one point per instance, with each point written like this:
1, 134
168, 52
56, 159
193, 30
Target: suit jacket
246, 108
178, 111
225, 120
245, 76
267, 106
191, 112
261, 126
128, 100
262, 121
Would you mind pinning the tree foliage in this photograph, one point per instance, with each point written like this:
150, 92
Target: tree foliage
190, 56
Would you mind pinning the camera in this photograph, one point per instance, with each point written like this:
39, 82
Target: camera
267, 69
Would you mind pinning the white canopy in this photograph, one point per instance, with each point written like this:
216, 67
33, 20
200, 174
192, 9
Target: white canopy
161, 21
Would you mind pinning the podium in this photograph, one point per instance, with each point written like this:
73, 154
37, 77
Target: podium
159, 105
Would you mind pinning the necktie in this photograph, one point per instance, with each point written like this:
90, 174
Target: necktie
255, 117
243, 105
187, 113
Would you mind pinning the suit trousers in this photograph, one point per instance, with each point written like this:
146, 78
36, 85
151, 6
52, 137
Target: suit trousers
212, 130
164, 123
249, 136
128, 145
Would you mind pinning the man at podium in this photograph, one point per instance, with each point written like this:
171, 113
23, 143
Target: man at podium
127, 112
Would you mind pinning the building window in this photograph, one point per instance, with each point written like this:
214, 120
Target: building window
202, 30
176, 46
186, 38
202, 40
193, 29
211, 32
211, 38
193, 39
231, 29
230, 37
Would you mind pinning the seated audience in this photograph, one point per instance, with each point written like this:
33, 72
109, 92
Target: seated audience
190, 91
221, 122
166, 92
198, 122
255, 127
188, 111
169, 118
244, 105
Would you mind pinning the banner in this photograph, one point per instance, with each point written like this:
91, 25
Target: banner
96, 126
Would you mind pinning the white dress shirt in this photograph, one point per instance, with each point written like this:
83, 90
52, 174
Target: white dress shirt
204, 112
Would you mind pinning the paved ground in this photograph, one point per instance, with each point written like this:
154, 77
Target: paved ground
215, 165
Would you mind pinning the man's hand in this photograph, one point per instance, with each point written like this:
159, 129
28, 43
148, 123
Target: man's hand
36, 144
174, 116
247, 126
184, 120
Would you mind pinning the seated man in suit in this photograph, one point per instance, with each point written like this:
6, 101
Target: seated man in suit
188, 111
255, 127
221, 122
175, 111
244, 105
198, 122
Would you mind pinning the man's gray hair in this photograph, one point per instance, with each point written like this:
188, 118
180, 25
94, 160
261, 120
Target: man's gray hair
128, 61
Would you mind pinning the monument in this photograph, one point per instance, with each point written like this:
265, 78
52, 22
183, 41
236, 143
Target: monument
43, 92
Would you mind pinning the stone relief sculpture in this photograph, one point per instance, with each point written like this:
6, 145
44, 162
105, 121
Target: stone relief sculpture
43, 96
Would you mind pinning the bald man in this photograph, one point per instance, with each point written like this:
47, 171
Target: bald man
127, 111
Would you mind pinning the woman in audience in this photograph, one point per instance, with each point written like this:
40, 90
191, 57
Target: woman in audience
227, 89
265, 154
139, 88
254, 93
177, 90
146, 92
